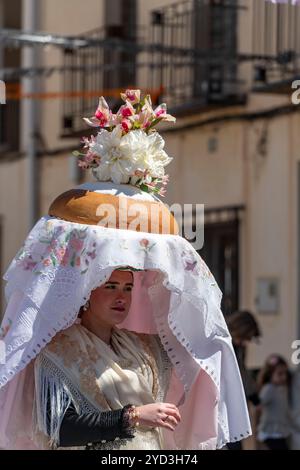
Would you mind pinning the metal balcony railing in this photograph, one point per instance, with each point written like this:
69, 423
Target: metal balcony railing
208, 74
276, 43
189, 59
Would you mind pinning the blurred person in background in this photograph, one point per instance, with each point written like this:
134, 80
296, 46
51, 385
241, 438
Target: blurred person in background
244, 328
276, 422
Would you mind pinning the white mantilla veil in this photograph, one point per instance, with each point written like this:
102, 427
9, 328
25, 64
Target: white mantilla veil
175, 296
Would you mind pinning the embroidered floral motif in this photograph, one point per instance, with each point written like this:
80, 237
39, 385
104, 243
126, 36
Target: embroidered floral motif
89, 385
145, 245
92, 353
63, 347
4, 330
71, 353
190, 263
64, 247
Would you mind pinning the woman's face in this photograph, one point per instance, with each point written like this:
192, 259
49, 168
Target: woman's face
110, 302
280, 375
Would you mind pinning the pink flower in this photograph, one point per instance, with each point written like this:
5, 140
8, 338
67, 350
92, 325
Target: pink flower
28, 265
162, 192
151, 185
86, 142
165, 180
146, 124
53, 244
126, 110
76, 244
134, 96
126, 125
46, 262
190, 265
82, 164
90, 157
102, 115
60, 253
92, 254
147, 108
144, 242
66, 257
88, 160
143, 119
115, 120
161, 112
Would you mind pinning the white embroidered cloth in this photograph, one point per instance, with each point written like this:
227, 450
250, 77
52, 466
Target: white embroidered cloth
59, 265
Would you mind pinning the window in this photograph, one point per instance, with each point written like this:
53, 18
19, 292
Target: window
207, 29
215, 30
221, 253
120, 23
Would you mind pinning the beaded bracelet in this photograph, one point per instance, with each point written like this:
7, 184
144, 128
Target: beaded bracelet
133, 416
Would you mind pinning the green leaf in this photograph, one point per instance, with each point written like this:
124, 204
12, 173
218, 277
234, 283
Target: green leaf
78, 154
53, 259
144, 188
72, 263
156, 121
44, 240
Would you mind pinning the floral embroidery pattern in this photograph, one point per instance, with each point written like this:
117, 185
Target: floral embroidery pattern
4, 330
145, 245
62, 346
195, 266
190, 263
72, 355
64, 247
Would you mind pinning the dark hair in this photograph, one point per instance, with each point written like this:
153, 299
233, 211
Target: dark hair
271, 364
242, 324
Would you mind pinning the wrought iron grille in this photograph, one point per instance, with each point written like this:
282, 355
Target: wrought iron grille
276, 39
208, 73
188, 57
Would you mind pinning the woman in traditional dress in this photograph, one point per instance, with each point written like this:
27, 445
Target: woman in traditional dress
89, 376
113, 332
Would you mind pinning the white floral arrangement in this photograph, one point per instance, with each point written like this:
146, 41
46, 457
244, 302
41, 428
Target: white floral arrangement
128, 149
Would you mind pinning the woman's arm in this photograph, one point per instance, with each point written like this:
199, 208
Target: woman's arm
62, 422
85, 428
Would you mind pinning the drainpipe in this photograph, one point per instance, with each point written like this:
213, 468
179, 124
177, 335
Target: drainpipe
30, 22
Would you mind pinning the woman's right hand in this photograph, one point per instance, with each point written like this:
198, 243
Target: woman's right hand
164, 415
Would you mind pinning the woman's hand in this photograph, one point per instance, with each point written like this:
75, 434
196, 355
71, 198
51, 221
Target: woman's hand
164, 415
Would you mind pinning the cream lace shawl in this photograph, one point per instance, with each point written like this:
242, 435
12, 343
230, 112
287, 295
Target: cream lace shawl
78, 367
